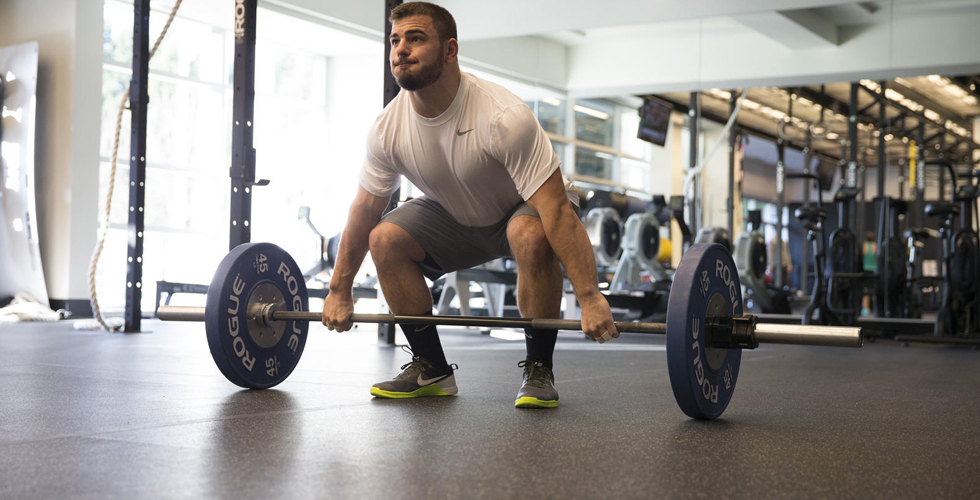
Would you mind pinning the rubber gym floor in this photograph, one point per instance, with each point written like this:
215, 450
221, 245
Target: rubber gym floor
98, 415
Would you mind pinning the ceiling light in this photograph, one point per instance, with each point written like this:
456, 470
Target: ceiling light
591, 112
932, 115
832, 136
955, 91
750, 104
889, 137
721, 94
554, 101
774, 113
970, 100
894, 95
958, 130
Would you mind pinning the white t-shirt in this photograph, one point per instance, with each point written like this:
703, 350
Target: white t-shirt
479, 159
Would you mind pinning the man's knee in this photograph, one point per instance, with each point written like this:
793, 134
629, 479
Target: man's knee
528, 240
388, 241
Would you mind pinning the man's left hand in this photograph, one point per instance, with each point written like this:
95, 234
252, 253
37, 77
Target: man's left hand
597, 320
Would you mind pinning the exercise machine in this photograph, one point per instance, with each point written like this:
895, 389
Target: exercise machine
751, 261
845, 270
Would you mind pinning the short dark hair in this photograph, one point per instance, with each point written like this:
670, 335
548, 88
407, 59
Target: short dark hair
442, 20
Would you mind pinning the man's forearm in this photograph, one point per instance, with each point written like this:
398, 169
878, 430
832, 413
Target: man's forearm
353, 248
571, 244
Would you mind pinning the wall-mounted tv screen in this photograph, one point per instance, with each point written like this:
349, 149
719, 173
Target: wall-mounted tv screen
654, 120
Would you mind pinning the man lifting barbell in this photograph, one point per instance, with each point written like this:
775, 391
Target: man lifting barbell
493, 188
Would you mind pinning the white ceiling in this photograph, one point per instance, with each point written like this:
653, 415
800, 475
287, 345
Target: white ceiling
623, 47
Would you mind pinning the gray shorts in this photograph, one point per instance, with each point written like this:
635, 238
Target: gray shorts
450, 246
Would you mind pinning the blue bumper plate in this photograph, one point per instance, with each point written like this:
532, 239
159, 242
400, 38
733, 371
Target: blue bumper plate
249, 352
705, 285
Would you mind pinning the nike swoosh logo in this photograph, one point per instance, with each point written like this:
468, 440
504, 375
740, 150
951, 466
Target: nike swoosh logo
425, 381
462, 133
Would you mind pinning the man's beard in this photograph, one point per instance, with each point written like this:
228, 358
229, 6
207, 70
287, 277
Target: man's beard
425, 77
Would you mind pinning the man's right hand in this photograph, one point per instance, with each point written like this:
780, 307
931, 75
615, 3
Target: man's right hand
337, 310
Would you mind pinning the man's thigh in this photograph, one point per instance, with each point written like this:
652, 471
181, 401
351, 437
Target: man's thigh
449, 245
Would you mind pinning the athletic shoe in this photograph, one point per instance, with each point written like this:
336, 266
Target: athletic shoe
418, 378
538, 390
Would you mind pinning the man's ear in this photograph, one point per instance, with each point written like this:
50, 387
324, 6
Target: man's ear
452, 50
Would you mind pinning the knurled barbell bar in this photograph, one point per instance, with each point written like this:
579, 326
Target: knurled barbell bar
257, 318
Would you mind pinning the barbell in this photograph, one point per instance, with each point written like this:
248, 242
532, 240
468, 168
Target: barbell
257, 318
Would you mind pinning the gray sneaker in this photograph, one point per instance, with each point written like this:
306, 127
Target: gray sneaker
538, 390
418, 378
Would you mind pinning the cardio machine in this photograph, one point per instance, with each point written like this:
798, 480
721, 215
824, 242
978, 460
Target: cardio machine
751, 261
813, 218
845, 270
960, 310
892, 293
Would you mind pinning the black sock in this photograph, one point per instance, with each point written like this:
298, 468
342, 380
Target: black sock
540, 345
424, 341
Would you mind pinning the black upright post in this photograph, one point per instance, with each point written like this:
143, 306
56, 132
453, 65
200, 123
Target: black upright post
903, 173
852, 138
920, 175
732, 133
386, 331
695, 115
883, 262
940, 153
138, 99
852, 157
807, 160
242, 171
780, 202
882, 167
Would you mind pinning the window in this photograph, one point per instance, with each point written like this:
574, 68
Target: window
595, 122
593, 163
551, 113
188, 151
634, 174
318, 90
